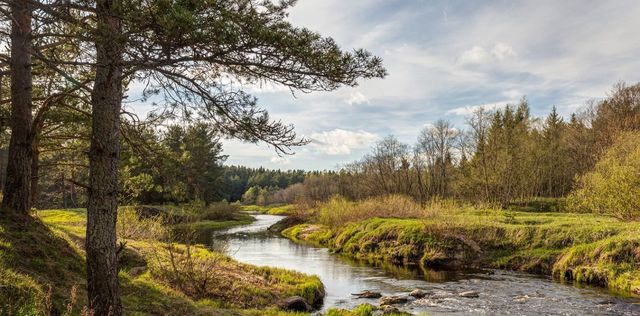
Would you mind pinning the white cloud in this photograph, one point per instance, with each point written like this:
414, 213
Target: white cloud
468, 110
341, 142
281, 160
480, 55
510, 49
513, 94
357, 98
475, 55
501, 51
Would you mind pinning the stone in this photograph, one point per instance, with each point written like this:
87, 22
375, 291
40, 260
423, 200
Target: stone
391, 300
418, 293
469, 294
296, 304
367, 294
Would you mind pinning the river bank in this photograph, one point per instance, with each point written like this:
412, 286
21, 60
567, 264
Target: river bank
574, 248
447, 292
42, 270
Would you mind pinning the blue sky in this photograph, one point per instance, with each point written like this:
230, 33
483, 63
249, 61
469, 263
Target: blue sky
444, 58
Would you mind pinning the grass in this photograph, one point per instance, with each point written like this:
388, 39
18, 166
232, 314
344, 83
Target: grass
277, 209
216, 225
362, 310
582, 248
197, 216
36, 253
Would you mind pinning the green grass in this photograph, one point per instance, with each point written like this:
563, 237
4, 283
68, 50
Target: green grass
582, 248
361, 310
48, 250
242, 219
270, 209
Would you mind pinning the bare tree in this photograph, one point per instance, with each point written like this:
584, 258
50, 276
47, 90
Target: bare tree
437, 143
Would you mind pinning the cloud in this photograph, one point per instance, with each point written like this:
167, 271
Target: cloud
341, 142
468, 110
479, 55
357, 98
501, 51
447, 59
280, 160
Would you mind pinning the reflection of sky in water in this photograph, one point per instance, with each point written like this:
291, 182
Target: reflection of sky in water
501, 291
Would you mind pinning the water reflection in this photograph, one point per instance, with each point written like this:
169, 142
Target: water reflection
501, 292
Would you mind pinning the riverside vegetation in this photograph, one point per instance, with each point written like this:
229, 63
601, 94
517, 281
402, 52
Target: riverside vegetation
158, 276
585, 248
68, 145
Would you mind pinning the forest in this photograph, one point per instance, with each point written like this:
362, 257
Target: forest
504, 157
117, 198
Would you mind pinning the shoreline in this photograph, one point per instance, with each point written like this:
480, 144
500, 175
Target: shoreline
425, 244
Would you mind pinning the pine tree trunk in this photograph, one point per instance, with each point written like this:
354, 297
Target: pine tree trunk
17, 196
102, 274
35, 170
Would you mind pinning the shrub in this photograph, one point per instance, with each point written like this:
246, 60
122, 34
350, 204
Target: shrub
219, 211
613, 187
131, 226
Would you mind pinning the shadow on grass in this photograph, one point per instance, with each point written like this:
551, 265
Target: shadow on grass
32, 259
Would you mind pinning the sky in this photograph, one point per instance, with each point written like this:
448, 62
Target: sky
446, 58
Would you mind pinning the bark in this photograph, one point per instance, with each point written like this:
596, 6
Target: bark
35, 170
17, 196
106, 97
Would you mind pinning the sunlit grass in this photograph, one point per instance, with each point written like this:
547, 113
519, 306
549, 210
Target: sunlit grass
584, 248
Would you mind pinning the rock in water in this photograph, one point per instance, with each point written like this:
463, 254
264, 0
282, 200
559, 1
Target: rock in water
368, 294
418, 293
389, 310
469, 294
390, 300
295, 303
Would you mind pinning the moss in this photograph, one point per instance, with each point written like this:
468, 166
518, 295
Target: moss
34, 258
277, 209
215, 225
361, 310
48, 251
582, 248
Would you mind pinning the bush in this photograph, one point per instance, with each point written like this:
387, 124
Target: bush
219, 211
613, 187
131, 225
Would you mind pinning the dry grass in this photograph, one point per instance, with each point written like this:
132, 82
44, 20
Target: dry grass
339, 211
174, 278
131, 226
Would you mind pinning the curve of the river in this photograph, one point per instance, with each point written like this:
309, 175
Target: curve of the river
501, 292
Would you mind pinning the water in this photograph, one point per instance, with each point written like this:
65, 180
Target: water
501, 292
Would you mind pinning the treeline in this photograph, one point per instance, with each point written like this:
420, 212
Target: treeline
257, 183
501, 156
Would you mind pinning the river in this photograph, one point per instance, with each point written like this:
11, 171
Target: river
501, 292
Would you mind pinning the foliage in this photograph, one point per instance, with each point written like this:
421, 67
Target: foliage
56, 259
200, 274
238, 180
130, 225
505, 157
613, 187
